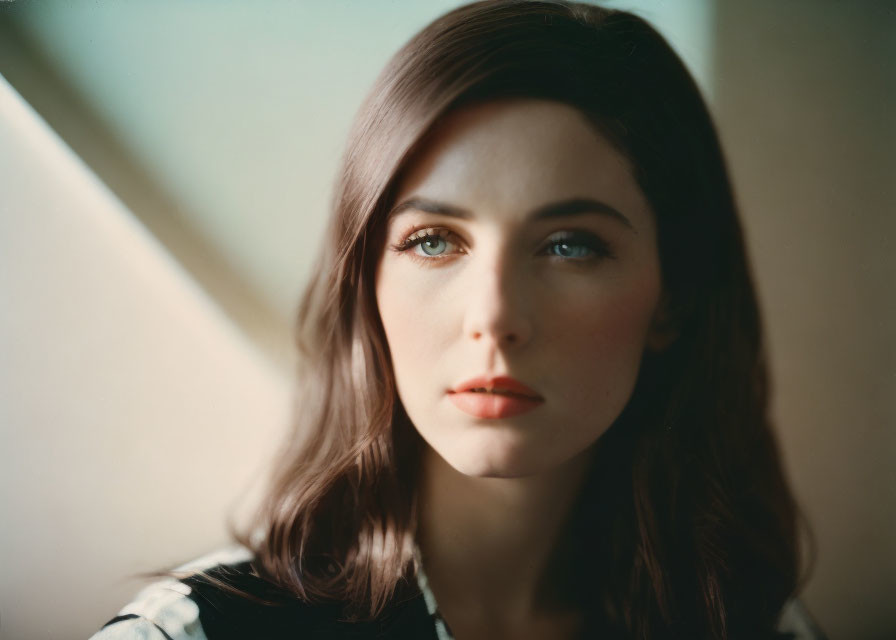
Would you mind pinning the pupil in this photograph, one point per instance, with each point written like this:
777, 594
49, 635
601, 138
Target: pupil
431, 246
566, 250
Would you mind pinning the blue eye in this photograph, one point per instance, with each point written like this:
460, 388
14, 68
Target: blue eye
573, 246
570, 250
433, 245
577, 246
429, 243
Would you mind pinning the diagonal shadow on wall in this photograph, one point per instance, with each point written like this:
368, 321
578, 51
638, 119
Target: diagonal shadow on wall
34, 77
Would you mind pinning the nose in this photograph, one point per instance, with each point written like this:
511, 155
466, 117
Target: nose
497, 305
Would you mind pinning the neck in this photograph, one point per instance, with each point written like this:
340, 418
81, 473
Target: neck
489, 544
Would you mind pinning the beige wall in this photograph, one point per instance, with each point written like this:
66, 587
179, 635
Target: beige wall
134, 416
806, 103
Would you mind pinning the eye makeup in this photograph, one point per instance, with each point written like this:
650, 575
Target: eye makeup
429, 244
428, 239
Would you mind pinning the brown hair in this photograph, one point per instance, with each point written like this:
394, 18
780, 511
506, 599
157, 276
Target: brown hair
687, 523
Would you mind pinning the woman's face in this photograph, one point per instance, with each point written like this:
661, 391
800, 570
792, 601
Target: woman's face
519, 246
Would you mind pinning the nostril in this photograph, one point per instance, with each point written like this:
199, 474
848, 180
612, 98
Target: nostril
507, 338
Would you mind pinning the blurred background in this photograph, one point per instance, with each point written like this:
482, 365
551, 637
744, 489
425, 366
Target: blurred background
165, 170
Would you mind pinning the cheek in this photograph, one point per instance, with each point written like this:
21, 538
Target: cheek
415, 321
598, 339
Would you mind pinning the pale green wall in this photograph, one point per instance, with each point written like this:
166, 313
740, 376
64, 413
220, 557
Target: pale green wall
233, 114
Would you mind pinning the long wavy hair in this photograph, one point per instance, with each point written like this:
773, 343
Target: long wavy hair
686, 526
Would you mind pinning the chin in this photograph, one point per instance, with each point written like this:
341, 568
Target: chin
492, 460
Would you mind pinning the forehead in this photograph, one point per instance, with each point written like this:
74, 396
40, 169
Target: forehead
511, 156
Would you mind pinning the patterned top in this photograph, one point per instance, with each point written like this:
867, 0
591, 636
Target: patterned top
190, 609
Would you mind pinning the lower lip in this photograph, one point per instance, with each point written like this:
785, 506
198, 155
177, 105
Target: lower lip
492, 405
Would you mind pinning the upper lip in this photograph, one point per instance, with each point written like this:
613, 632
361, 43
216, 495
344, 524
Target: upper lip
499, 383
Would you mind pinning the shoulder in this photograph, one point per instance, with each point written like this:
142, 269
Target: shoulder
224, 598
162, 611
167, 609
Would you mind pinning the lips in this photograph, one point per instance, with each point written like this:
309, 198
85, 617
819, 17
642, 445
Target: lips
497, 384
494, 397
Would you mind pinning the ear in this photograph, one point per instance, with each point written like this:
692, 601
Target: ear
663, 329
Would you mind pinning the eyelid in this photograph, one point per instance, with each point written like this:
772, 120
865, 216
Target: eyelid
421, 231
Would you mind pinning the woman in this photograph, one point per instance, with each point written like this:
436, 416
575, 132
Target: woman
535, 403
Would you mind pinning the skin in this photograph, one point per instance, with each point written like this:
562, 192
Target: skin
566, 304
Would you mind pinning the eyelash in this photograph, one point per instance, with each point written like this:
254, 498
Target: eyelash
597, 246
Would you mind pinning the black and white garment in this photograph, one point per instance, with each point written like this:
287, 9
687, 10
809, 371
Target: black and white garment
196, 609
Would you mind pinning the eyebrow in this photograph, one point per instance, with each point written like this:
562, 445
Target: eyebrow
560, 209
